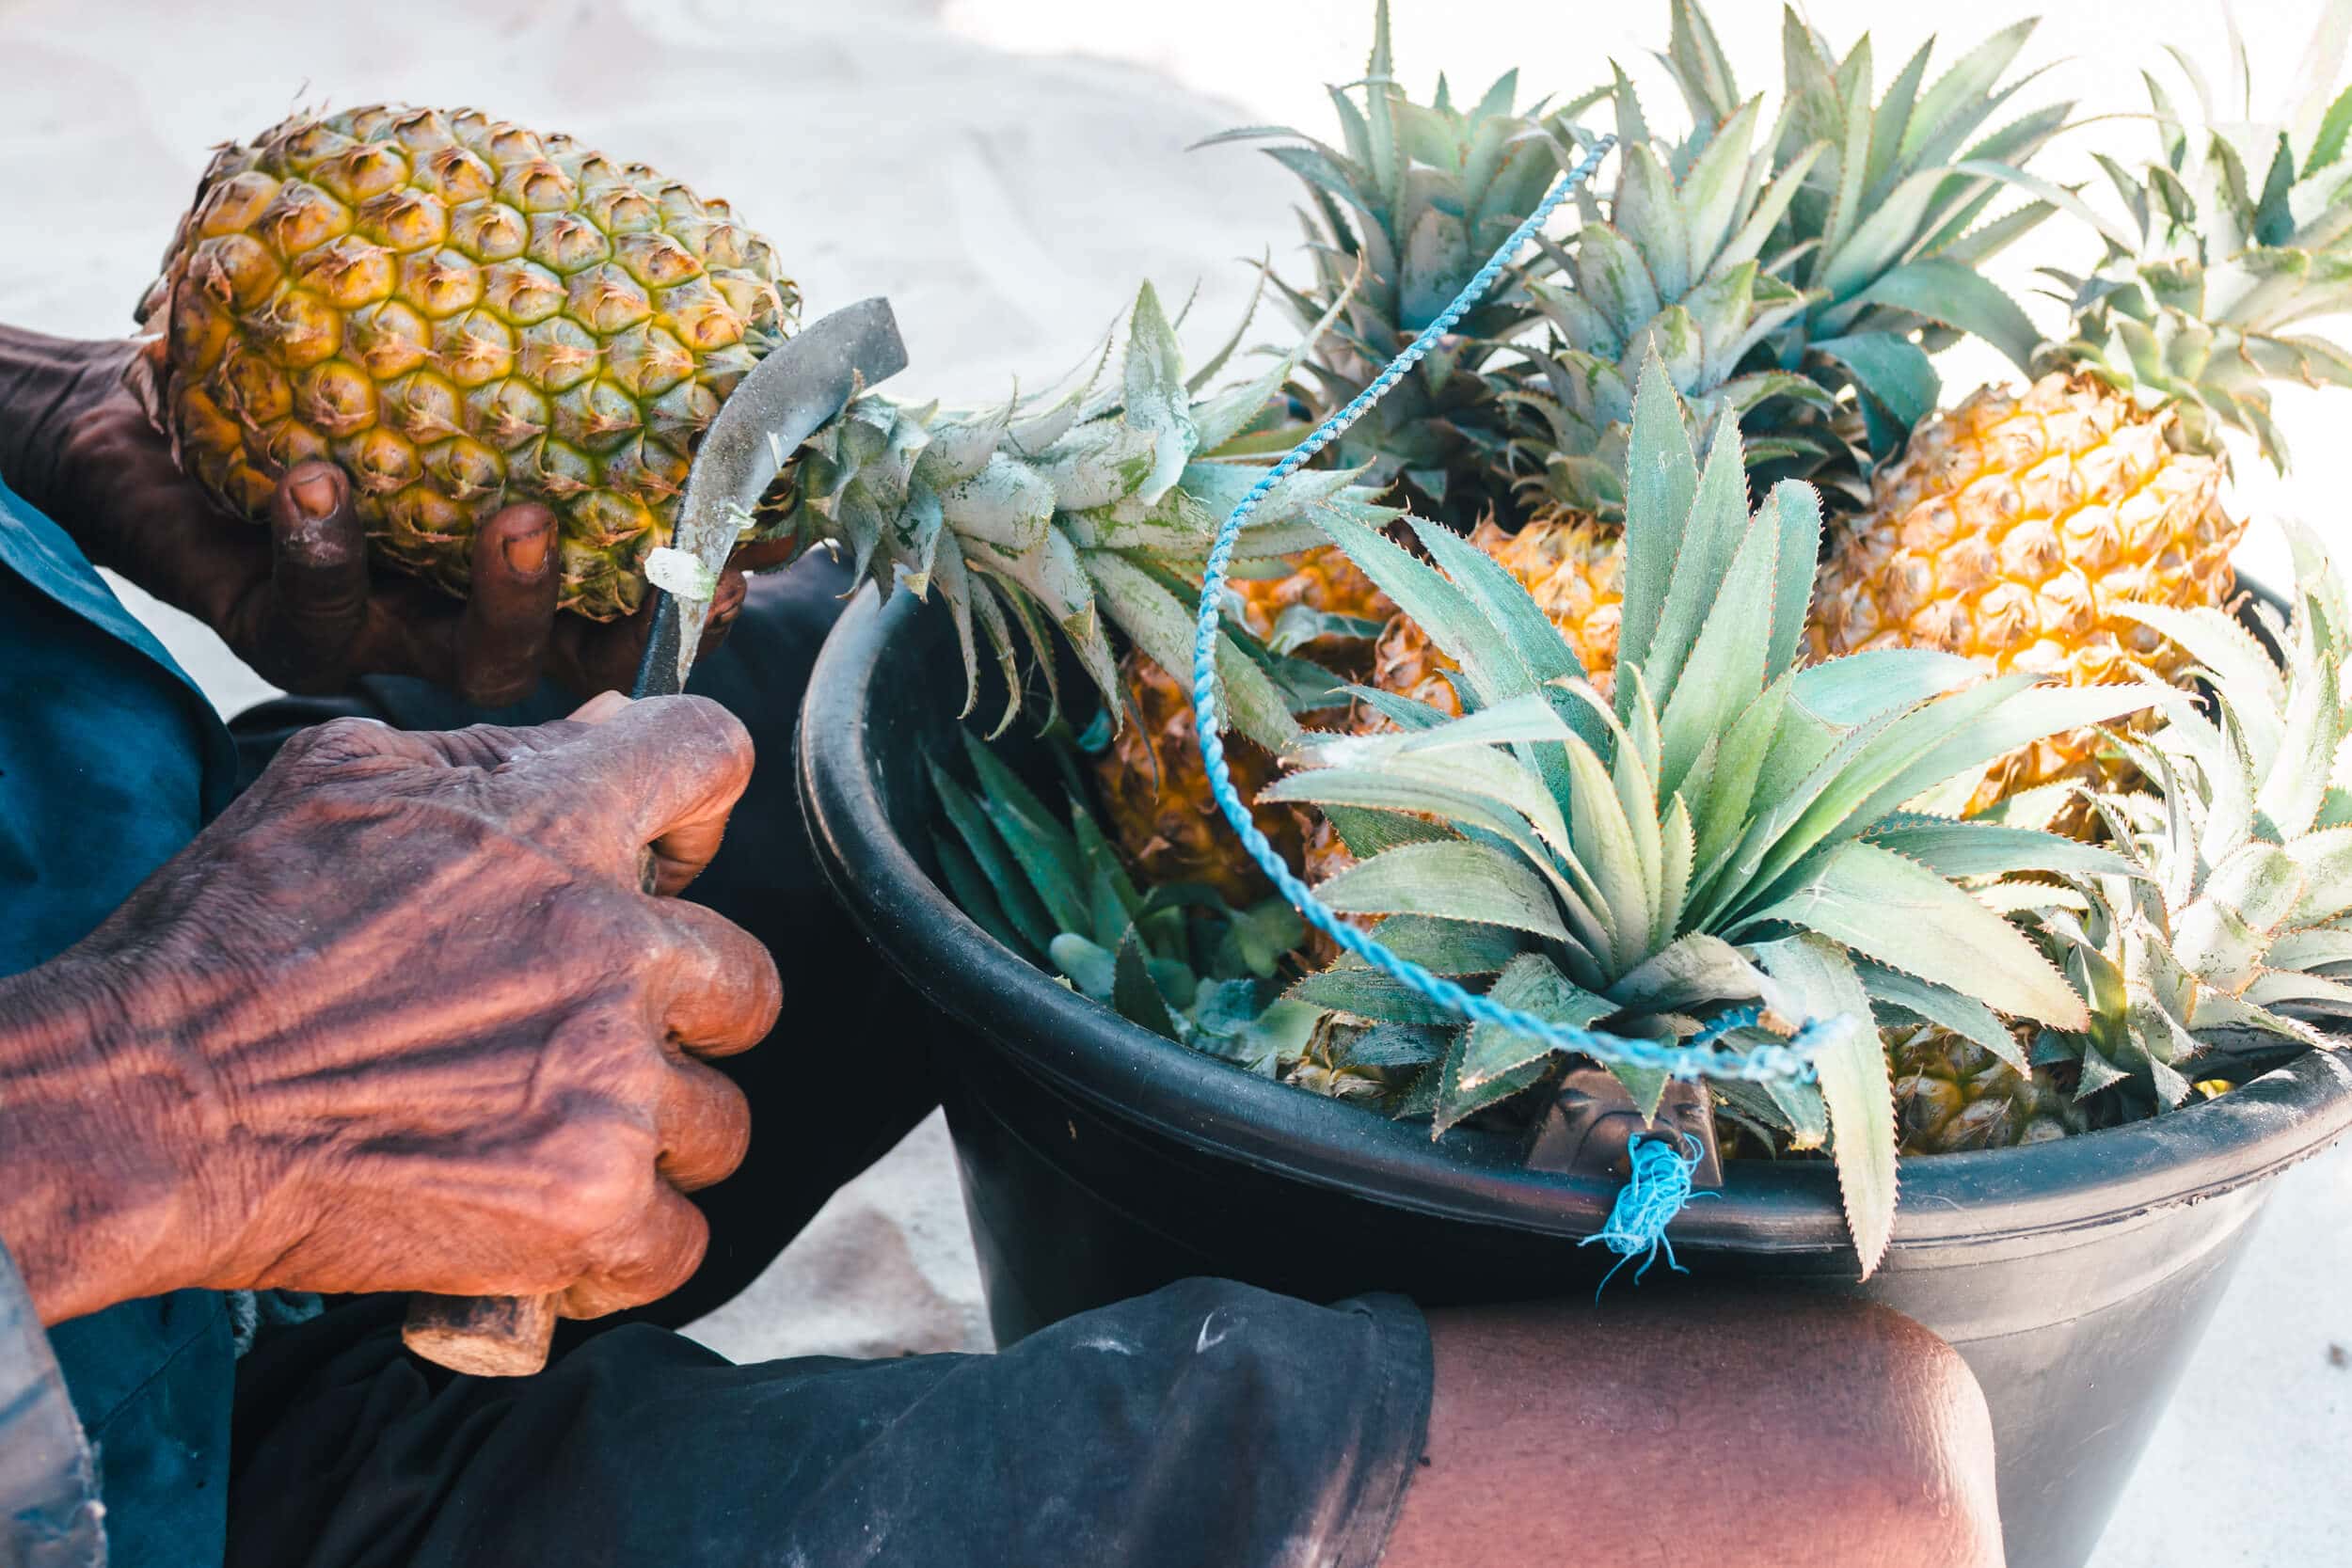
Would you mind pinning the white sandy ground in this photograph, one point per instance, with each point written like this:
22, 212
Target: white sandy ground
1006, 170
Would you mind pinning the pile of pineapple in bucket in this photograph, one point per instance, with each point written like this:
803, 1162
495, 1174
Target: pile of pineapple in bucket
1658, 658
1762, 689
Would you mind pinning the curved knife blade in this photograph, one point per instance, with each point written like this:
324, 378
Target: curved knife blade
788, 397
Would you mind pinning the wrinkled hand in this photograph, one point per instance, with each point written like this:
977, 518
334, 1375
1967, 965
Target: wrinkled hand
416, 1013
297, 599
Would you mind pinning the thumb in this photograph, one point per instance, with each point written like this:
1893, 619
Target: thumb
318, 580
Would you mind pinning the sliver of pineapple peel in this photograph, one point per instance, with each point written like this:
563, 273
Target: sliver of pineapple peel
462, 314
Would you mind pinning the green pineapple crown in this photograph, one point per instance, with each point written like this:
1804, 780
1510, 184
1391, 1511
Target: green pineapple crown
2233, 926
1798, 275
1178, 960
2238, 230
1039, 521
1398, 218
1728, 832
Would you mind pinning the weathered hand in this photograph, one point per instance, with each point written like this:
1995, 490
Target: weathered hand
405, 1017
296, 599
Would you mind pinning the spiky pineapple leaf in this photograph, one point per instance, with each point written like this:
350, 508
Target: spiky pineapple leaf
1964, 1016
1453, 881
1015, 893
972, 892
1047, 854
1486, 789
1718, 524
1662, 481
1726, 665
1134, 996
2000, 724
1455, 947
1903, 915
1854, 1084
1957, 295
1969, 848
1533, 983
1163, 628
1089, 966
1367, 993
1693, 970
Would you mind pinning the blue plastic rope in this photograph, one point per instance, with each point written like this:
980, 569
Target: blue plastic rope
1646, 1204
1701, 1057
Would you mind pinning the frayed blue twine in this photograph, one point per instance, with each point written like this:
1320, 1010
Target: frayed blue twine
1646, 1204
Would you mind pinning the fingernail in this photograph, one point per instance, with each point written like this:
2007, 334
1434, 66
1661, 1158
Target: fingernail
316, 494
528, 552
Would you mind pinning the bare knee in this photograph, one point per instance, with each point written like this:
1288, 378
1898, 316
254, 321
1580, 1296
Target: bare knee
1724, 1426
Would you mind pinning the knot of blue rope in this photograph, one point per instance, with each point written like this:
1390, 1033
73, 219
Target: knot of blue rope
1646, 1204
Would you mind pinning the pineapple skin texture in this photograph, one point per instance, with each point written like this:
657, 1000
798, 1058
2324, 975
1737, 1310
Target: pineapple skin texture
1155, 790
1953, 1095
1154, 785
1572, 565
462, 314
2005, 531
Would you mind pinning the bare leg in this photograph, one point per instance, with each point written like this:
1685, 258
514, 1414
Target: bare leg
1727, 1429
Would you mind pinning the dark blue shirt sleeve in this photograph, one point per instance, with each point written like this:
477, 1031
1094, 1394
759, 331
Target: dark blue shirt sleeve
110, 761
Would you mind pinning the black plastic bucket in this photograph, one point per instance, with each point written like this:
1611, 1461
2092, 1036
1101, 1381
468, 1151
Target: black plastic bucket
1100, 1161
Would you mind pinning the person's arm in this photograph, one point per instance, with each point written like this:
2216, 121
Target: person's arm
1726, 1427
296, 599
413, 1014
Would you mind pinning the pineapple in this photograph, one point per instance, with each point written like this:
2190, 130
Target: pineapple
1155, 793
1154, 788
1398, 218
2016, 526
2230, 923
1952, 1094
2236, 930
1676, 260
1202, 971
1087, 514
1575, 570
462, 314
1725, 833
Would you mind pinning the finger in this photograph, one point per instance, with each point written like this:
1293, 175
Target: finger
493, 747
588, 657
510, 606
318, 594
412, 629
706, 1127
665, 770
721, 990
654, 1256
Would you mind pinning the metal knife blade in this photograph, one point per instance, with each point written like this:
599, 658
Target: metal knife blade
788, 397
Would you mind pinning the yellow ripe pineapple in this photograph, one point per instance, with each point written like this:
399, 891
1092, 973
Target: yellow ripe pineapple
1573, 567
462, 314
1670, 262
1154, 788
1155, 793
2014, 524
2007, 529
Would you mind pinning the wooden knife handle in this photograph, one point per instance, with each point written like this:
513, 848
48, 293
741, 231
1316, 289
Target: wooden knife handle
483, 1336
